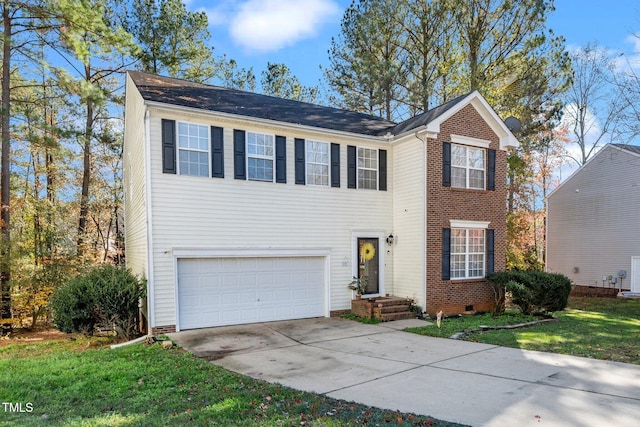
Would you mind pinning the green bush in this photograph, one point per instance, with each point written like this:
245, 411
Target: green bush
532, 291
73, 306
104, 296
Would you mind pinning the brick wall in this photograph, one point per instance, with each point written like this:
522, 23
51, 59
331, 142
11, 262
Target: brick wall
446, 203
593, 291
163, 329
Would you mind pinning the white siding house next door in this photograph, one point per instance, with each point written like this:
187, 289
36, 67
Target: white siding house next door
229, 291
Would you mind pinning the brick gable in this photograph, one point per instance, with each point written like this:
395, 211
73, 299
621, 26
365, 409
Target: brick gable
446, 203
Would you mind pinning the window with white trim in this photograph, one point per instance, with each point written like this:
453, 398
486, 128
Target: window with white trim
467, 253
193, 149
317, 158
468, 166
368, 168
260, 156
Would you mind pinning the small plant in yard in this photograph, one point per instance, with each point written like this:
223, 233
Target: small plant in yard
367, 320
359, 285
105, 296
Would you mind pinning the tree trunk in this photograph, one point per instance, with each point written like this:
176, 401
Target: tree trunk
86, 179
5, 174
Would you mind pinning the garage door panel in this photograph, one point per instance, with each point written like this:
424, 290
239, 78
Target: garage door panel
226, 291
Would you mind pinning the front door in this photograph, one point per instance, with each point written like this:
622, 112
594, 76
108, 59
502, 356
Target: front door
369, 263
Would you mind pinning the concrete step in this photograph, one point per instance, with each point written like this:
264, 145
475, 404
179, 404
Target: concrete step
387, 317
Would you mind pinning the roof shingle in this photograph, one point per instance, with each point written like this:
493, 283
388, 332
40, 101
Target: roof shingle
215, 98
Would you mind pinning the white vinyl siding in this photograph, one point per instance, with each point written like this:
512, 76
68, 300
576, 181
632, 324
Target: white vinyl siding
408, 222
260, 156
592, 221
468, 167
367, 168
134, 170
467, 253
229, 213
193, 149
317, 158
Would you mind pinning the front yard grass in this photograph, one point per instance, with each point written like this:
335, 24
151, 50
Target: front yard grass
599, 328
82, 383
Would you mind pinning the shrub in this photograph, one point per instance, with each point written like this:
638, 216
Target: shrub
531, 291
105, 296
73, 306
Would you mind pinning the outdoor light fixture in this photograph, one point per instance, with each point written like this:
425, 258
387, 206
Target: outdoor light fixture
390, 239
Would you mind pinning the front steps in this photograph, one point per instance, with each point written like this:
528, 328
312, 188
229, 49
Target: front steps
383, 308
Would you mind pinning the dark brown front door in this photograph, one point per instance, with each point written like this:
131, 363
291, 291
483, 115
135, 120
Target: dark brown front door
368, 263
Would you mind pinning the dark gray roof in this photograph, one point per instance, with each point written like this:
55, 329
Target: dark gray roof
172, 91
215, 98
425, 118
632, 148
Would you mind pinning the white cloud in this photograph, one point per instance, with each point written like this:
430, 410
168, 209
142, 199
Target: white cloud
629, 62
572, 152
269, 25
221, 13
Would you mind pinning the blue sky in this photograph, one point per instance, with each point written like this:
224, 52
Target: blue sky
298, 32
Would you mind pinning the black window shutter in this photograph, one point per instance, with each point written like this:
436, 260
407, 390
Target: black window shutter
446, 254
491, 170
335, 165
446, 164
217, 152
300, 159
281, 159
490, 252
239, 161
168, 146
351, 166
382, 164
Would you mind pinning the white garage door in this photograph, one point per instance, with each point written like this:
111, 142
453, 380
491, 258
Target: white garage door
230, 291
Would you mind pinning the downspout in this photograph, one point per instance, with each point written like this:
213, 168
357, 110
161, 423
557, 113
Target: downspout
147, 171
424, 219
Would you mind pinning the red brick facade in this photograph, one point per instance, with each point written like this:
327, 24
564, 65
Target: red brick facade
447, 203
163, 329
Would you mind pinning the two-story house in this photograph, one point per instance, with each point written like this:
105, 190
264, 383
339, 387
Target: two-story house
243, 208
593, 232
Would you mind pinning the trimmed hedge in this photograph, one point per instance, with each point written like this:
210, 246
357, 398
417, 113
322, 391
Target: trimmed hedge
532, 291
104, 296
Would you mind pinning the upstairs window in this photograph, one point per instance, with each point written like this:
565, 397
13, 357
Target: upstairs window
468, 166
317, 166
260, 156
193, 149
368, 168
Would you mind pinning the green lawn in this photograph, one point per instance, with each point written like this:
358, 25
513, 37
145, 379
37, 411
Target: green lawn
82, 383
600, 328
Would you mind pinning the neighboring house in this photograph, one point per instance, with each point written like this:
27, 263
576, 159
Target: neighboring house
593, 231
244, 208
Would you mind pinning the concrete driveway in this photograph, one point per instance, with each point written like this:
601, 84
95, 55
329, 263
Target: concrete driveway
382, 366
